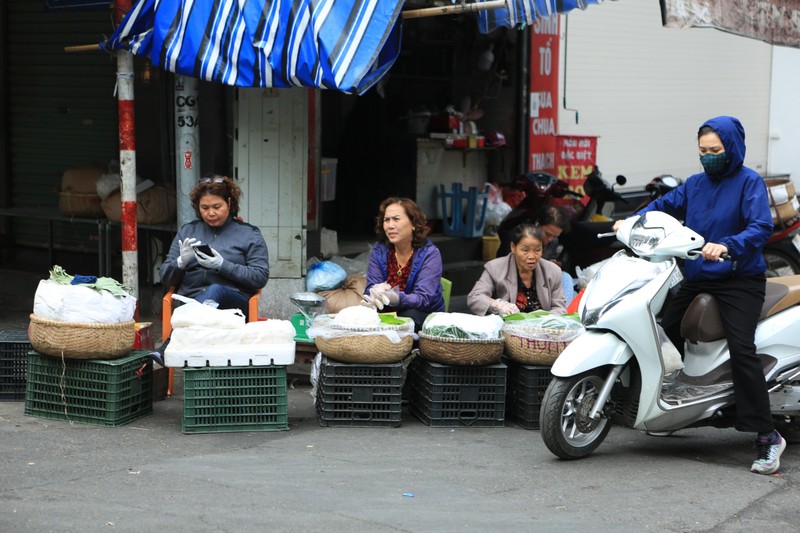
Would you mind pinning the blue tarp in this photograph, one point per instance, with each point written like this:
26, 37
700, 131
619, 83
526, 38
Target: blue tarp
520, 12
346, 45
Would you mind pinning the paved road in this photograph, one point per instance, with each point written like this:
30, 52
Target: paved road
147, 475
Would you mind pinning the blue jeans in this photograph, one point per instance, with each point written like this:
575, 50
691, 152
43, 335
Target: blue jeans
226, 297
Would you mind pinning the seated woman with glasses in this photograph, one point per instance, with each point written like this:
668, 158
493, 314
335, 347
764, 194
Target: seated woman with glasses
217, 257
522, 281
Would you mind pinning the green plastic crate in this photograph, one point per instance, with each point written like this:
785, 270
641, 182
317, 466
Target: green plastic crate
234, 399
100, 392
14, 348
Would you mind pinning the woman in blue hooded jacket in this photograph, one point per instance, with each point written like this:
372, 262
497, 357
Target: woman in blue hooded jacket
405, 268
727, 204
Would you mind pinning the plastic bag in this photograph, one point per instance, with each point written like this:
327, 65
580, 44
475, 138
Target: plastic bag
81, 304
394, 328
462, 326
193, 313
545, 327
496, 208
324, 276
353, 267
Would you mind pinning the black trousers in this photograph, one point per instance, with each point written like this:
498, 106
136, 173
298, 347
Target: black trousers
740, 302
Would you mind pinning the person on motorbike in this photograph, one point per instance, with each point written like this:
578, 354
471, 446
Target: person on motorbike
727, 204
521, 281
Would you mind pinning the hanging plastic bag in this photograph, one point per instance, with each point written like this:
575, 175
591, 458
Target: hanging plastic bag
324, 276
496, 208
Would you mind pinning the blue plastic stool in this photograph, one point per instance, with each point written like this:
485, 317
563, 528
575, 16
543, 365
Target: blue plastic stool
461, 223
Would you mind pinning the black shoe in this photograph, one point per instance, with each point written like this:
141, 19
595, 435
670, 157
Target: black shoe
157, 355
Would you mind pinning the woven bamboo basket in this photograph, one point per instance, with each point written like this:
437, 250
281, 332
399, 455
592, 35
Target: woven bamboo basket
530, 351
81, 205
74, 340
462, 352
365, 349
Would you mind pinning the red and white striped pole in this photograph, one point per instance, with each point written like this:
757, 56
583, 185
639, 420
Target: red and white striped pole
127, 159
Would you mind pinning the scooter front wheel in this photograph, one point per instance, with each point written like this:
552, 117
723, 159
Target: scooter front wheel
566, 428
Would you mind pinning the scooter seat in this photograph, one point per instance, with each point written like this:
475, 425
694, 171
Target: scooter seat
702, 323
786, 293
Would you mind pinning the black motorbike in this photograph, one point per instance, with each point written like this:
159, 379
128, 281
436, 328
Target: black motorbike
579, 246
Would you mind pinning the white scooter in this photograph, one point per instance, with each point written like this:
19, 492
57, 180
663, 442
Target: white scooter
624, 370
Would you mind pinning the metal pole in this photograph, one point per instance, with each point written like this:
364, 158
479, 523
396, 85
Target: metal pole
187, 144
127, 160
453, 10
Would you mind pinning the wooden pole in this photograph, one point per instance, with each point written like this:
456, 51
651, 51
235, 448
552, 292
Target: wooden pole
83, 48
453, 10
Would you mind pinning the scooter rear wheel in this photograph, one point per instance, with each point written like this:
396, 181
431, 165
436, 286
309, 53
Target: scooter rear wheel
779, 263
566, 428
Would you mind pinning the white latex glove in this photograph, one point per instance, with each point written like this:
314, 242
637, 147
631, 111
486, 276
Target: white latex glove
392, 296
378, 296
211, 262
186, 251
503, 308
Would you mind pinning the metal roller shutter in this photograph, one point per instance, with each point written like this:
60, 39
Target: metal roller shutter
61, 112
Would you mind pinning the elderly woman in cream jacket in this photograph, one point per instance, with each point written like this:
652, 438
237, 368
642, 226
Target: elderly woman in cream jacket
521, 281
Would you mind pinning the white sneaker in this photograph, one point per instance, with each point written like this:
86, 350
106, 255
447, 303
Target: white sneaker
768, 460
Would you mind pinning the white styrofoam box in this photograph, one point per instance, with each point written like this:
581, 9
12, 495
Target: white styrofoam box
279, 354
327, 187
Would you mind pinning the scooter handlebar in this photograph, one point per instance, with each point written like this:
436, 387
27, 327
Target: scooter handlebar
604, 235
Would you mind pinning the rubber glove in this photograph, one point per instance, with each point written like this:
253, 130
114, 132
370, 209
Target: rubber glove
392, 297
186, 251
503, 308
211, 262
376, 297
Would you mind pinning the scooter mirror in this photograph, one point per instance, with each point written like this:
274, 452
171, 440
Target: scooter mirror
621, 180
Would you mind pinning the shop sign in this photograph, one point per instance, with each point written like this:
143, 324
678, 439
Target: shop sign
543, 118
576, 155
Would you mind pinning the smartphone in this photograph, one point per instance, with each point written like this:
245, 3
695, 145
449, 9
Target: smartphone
204, 248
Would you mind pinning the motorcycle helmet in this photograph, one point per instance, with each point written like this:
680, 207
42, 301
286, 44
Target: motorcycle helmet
661, 185
495, 139
535, 181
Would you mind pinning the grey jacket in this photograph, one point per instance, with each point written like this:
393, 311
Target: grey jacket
241, 245
499, 280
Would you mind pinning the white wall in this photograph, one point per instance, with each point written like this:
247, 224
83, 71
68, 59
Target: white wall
644, 90
784, 117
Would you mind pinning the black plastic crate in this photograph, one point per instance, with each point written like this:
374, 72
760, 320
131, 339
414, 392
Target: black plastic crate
526, 387
109, 392
234, 399
14, 348
457, 396
359, 395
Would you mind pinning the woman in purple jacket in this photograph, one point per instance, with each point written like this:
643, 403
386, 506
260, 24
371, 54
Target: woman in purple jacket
405, 268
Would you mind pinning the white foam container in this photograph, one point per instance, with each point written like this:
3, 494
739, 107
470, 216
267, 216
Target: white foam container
278, 354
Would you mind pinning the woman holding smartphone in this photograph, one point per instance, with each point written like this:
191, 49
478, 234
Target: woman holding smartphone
217, 257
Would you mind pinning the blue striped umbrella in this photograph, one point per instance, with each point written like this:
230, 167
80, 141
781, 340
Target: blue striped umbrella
526, 12
346, 45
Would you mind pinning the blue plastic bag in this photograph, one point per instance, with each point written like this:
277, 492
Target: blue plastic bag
324, 276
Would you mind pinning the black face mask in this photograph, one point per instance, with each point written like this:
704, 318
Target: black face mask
714, 164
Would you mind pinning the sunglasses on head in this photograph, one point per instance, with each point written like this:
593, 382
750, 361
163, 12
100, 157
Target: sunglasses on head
215, 180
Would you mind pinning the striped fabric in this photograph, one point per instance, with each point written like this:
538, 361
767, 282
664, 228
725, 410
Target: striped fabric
526, 12
346, 45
